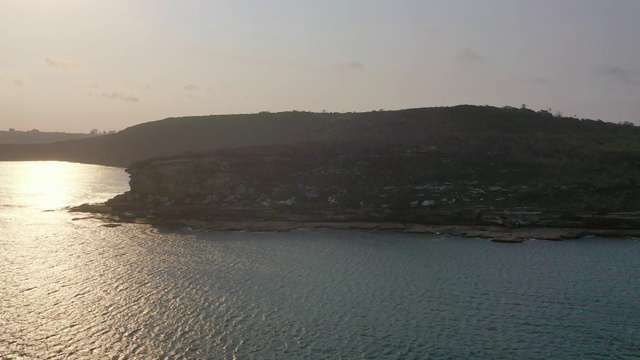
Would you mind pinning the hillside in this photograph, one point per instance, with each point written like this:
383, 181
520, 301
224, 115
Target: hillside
177, 135
399, 181
467, 131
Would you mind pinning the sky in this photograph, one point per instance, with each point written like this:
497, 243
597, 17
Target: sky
78, 65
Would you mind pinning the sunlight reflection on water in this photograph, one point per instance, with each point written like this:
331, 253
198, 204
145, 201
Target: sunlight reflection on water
54, 184
76, 289
45, 184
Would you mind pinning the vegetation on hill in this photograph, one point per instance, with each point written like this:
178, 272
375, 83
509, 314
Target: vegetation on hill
400, 180
36, 136
464, 165
470, 135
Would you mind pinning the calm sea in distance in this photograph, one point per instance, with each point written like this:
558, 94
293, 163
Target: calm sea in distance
74, 289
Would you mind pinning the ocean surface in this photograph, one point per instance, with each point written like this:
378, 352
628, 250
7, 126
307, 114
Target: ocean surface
74, 289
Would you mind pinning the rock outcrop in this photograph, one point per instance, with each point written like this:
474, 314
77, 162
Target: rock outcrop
344, 183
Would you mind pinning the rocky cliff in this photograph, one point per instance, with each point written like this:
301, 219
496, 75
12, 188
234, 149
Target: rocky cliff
464, 166
365, 182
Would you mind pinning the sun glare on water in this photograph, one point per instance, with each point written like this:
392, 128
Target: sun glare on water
45, 184
54, 185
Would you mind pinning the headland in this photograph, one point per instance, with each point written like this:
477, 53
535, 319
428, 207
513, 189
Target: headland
504, 173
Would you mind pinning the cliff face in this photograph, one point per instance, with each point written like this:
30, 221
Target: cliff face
366, 182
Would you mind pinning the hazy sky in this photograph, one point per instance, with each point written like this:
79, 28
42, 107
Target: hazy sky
70, 65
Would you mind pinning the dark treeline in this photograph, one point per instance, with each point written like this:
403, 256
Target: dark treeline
36, 136
467, 134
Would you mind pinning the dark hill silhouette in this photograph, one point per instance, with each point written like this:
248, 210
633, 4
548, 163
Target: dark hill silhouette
466, 130
38, 137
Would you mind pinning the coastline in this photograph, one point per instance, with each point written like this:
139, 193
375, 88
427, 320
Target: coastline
496, 233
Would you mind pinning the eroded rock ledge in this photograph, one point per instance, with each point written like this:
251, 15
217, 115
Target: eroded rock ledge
413, 189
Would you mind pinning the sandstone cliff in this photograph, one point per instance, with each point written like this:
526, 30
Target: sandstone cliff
366, 182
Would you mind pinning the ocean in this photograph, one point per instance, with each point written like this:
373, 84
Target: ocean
74, 289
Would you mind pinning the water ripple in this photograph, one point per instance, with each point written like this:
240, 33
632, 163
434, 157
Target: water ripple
75, 289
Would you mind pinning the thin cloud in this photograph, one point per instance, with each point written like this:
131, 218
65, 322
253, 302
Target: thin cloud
225, 93
613, 70
623, 75
94, 86
350, 65
282, 64
469, 56
14, 77
236, 96
62, 64
148, 82
540, 81
120, 96
190, 90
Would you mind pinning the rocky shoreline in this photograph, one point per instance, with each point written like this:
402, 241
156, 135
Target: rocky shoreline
417, 188
495, 233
